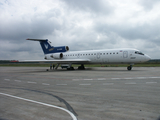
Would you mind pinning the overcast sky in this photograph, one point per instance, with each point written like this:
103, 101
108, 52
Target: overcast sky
80, 24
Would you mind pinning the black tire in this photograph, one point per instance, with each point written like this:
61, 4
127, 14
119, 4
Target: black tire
71, 68
81, 67
129, 68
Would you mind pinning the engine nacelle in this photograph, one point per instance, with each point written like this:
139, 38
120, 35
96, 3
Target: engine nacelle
57, 55
67, 48
60, 49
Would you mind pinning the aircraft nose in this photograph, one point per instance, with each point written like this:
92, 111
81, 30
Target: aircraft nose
147, 58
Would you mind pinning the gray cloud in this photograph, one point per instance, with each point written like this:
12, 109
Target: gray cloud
94, 6
148, 4
81, 25
16, 30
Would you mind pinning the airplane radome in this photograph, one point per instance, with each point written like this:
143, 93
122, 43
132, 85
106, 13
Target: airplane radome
62, 55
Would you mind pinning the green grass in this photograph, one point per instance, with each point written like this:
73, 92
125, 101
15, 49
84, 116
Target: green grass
24, 65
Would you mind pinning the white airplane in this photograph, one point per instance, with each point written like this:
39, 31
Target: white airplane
62, 55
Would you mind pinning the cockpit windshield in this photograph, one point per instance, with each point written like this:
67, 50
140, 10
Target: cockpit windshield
138, 52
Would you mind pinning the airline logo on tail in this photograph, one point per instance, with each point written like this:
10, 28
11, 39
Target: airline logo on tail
46, 46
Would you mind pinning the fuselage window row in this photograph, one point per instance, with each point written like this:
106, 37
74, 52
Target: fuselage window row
90, 54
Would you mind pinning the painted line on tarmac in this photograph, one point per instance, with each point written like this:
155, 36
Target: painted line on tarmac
131, 83
41, 103
128, 78
151, 82
141, 77
17, 80
84, 84
115, 78
108, 83
101, 79
154, 77
87, 79
45, 84
7, 79
61, 84
32, 82
75, 79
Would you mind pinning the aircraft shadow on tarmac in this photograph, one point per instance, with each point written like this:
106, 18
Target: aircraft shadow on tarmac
32, 70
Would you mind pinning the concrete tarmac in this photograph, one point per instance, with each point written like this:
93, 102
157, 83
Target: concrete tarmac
102, 93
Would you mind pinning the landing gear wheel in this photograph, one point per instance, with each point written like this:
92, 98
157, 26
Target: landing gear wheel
71, 68
129, 67
81, 67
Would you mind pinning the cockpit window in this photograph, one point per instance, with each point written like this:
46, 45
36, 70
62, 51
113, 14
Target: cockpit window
138, 52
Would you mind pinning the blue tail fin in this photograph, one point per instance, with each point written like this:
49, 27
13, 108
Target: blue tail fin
47, 48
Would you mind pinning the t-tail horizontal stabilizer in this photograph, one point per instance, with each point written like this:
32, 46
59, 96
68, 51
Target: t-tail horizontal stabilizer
48, 49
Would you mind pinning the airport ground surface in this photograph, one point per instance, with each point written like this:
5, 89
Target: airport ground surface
106, 93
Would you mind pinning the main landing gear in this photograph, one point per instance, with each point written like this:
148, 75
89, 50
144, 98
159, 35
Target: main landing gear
129, 67
81, 67
70, 68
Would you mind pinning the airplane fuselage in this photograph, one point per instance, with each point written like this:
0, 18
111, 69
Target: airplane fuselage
106, 56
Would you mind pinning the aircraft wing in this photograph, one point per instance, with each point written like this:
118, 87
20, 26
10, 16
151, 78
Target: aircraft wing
60, 61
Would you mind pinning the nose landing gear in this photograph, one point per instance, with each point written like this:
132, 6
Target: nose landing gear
129, 67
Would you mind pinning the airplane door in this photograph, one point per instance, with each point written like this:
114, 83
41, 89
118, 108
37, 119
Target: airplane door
125, 54
98, 55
